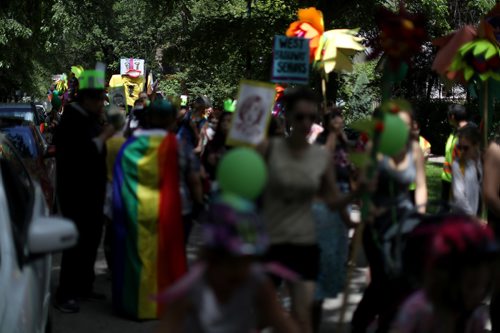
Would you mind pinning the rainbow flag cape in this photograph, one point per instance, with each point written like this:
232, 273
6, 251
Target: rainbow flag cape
148, 245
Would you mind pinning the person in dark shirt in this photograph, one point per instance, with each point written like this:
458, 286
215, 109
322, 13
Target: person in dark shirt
81, 182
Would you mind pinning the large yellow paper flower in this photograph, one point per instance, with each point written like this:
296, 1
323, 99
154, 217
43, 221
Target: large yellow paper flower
336, 47
311, 26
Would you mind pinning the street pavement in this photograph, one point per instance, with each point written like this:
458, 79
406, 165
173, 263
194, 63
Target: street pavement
98, 316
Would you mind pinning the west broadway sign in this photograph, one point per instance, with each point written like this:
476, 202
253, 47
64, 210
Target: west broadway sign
291, 60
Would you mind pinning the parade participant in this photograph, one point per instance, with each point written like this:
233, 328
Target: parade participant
392, 205
216, 148
298, 172
457, 118
332, 226
424, 145
491, 193
467, 172
81, 184
457, 281
227, 291
149, 253
193, 121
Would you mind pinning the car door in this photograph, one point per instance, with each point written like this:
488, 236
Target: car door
27, 288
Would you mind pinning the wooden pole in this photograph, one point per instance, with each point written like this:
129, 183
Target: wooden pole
323, 91
485, 114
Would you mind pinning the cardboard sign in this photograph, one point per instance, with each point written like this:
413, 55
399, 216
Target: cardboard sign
252, 115
117, 98
291, 60
131, 64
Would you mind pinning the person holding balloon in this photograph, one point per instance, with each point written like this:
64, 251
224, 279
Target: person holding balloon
298, 172
400, 163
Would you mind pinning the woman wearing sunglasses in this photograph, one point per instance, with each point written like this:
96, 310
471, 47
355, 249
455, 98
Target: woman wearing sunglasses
467, 171
298, 172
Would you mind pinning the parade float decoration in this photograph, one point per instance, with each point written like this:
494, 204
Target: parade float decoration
131, 77
471, 56
330, 50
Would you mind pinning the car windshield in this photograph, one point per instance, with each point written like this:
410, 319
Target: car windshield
23, 140
24, 114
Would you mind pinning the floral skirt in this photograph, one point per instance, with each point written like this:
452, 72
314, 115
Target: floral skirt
332, 238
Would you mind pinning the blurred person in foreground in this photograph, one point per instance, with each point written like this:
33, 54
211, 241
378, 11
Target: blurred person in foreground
80, 141
227, 291
491, 193
392, 206
457, 280
332, 226
298, 172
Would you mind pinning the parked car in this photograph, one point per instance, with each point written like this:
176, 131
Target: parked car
36, 154
27, 238
25, 112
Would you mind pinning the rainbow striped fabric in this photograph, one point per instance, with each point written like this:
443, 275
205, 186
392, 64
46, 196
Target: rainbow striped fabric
148, 251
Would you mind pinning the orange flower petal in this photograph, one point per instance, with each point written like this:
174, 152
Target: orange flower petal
314, 17
293, 28
309, 31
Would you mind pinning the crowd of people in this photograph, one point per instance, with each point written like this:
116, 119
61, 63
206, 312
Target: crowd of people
148, 182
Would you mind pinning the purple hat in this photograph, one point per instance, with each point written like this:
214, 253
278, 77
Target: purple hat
233, 226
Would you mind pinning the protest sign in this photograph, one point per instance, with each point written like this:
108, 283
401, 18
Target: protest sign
291, 60
117, 98
253, 112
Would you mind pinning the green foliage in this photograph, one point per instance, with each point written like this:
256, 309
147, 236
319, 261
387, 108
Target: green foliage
201, 46
359, 91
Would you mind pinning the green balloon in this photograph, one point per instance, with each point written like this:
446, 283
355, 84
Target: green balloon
55, 93
242, 172
394, 137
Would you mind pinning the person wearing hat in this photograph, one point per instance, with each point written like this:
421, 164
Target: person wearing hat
81, 184
151, 193
228, 290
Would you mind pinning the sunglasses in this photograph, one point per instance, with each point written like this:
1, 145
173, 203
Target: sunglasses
463, 148
303, 116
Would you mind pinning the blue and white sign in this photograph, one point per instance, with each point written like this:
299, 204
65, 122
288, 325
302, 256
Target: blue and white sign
291, 60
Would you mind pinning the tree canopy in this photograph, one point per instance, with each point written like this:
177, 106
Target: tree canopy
196, 46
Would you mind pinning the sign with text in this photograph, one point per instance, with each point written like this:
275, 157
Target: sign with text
291, 60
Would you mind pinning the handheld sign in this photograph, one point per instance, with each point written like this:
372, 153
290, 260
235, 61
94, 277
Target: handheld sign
252, 115
291, 60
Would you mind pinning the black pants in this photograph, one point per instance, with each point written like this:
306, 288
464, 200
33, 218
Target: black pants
445, 191
382, 296
77, 267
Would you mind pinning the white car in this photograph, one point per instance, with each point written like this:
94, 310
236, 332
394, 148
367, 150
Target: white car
27, 238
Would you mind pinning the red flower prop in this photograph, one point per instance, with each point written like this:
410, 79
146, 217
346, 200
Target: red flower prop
311, 26
401, 35
379, 127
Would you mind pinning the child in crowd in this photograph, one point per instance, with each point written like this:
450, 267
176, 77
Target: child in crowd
457, 280
227, 291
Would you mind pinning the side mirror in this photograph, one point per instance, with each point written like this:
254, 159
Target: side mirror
51, 234
50, 152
